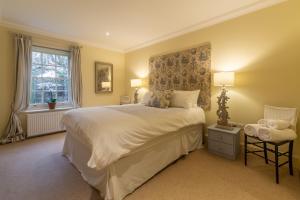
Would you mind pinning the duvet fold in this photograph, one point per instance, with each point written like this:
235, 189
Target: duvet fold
114, 131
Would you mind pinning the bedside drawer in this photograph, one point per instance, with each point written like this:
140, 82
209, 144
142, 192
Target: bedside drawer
221, 137
221, 148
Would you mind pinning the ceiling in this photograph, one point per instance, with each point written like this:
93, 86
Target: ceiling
132, 24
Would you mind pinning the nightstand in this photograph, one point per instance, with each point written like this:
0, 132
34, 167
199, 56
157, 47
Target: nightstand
225, 143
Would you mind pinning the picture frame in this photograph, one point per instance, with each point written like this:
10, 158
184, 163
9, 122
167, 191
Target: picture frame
103, 77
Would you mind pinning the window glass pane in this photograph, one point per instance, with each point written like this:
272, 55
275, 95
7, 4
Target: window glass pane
48, 59
61, 72
49, 84
62, 84
36, 83
36, 97
49, 72
62, 96
50, 75
36, 58
47, 96
37, 70
62, 61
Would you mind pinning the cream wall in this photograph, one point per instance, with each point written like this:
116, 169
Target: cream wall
89, 56
6, 72
262, 47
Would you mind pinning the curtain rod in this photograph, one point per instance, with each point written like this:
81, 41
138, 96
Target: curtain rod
51, 48
16, 33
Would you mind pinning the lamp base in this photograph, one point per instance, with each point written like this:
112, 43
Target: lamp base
229, 128
222, 112
136, 94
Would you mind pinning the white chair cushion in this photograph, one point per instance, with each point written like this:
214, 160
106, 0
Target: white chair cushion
274, 135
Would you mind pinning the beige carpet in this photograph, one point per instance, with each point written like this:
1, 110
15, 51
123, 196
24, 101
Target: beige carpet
35, 170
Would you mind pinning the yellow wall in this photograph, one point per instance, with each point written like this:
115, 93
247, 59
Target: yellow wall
262, 47
6, 74
89, 56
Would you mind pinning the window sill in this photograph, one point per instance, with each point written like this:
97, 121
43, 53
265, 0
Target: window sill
40, 110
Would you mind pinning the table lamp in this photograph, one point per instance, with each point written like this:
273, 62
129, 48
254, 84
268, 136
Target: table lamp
106, 84
136, 83
223, 79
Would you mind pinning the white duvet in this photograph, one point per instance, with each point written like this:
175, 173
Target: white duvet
115, 131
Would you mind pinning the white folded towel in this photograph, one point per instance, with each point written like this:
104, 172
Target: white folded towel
274, 135
275, 123
263, 122
252, 129
278, 124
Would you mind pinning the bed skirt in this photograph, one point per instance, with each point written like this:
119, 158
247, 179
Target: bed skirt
128, 173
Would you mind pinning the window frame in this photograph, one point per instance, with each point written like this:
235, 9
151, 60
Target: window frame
48, 50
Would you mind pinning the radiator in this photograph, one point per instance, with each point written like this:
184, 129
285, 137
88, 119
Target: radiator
44, 122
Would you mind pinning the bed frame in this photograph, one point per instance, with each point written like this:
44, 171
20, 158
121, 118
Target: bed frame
128, 173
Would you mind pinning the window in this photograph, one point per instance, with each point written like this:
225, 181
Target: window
50, 76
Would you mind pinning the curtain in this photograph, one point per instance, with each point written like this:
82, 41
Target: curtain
76, 80
14, 131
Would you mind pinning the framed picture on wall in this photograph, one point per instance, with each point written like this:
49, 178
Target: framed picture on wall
103, 77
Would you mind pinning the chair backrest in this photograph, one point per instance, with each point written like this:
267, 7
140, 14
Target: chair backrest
281, 113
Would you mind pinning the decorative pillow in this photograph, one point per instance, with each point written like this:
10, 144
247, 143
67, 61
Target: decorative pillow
161, 99
185, 99
146, 98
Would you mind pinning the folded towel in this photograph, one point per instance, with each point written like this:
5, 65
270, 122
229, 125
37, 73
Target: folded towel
274, 135
252, 129
263, 122
275, 123
278, 124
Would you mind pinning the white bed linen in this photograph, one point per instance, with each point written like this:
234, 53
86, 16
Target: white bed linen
123, 176
114, 131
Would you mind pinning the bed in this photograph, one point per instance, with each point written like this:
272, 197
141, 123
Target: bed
118, 148
159, 143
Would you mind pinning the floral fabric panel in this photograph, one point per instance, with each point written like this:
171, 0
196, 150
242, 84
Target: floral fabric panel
161, 99
185, 70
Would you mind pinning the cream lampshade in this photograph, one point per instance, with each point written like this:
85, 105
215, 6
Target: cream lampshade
136, 83
224, 79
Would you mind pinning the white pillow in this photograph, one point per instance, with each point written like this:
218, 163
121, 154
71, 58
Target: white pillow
146, 98
185, 99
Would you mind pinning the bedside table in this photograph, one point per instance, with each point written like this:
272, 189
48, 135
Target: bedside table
225, 143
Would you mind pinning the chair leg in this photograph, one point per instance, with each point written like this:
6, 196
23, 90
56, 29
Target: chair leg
245, 150
291, 144
266, 153
276, 164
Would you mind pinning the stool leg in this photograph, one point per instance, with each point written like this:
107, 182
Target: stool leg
276, 164
291, 144
266, 153
246, 150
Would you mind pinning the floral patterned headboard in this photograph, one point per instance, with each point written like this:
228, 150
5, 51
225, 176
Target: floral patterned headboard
185, 70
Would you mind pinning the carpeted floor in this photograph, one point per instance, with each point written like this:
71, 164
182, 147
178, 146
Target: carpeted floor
36, 170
